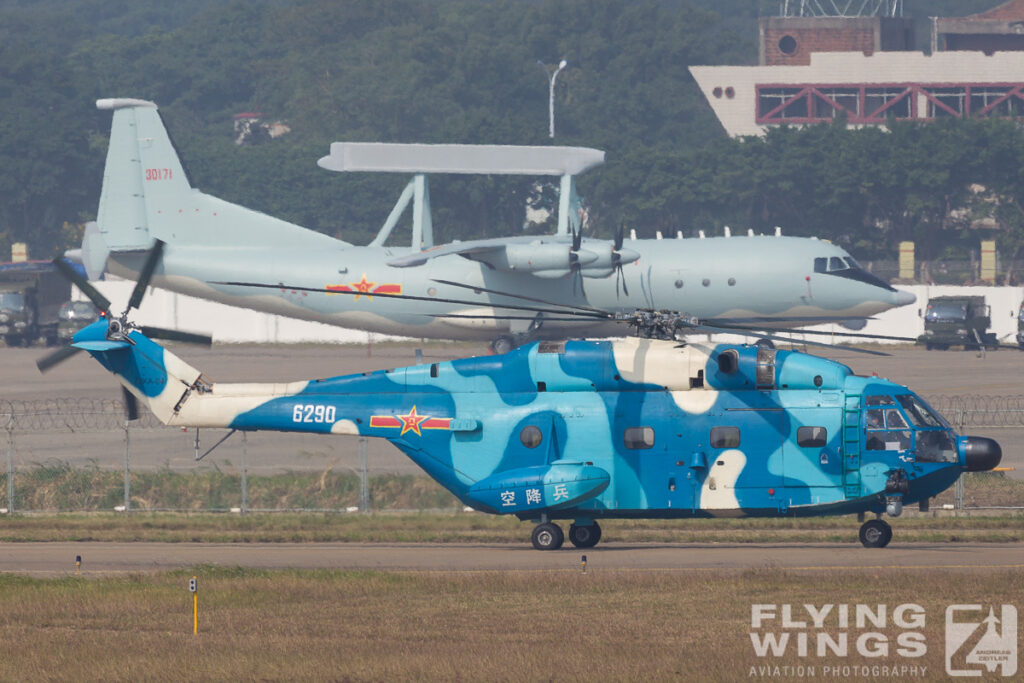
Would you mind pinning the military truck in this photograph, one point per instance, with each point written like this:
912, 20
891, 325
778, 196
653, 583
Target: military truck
958, 320
31, 294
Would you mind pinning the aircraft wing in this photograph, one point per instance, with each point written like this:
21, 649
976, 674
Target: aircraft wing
477, 250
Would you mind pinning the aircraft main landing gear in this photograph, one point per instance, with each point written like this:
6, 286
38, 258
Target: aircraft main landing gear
547, 536
875, 533
584, 536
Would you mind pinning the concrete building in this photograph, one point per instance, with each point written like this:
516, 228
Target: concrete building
815, 69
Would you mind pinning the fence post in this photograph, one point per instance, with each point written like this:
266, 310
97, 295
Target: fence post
364, 481
127, 470
245, 473
958, 487
10, 463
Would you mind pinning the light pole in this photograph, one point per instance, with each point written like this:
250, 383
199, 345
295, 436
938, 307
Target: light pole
551, 96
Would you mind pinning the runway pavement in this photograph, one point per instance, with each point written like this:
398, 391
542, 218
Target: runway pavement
101, 559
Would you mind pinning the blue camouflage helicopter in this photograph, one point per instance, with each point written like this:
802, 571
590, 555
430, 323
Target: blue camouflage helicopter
642, 427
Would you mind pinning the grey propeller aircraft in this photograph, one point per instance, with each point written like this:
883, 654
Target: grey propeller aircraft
227, 253
593, 430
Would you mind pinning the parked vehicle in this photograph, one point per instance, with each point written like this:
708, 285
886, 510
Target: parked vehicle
73, 316
31, 295
958, 320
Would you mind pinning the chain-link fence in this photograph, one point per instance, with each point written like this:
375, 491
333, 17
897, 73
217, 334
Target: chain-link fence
83, 454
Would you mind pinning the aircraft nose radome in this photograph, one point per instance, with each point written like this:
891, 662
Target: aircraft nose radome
981, 453
903, 297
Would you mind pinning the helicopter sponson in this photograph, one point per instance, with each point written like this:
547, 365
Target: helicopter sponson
591, 430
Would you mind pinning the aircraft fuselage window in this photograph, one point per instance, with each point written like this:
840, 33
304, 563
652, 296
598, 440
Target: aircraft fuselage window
530, 436
811, 437
836, 263
725, 437
638, 438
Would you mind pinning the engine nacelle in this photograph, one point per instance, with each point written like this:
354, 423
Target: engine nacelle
607, 259
536, 257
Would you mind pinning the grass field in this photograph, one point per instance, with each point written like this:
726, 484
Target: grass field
57, 486
488, 626
473, 527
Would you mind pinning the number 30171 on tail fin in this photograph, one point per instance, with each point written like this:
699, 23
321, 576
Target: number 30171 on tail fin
159, 173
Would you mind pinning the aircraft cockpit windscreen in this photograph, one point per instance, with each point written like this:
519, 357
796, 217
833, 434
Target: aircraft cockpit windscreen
887, 429
846, 266
920, 413
946, 310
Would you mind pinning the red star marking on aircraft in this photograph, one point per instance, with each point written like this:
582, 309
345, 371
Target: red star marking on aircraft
412, 422
363, 287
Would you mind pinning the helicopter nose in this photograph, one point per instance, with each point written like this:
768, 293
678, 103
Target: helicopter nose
903, 298
980, 453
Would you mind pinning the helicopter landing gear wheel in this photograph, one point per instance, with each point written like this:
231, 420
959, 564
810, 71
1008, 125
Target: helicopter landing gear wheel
502, 345
584, 536
875, 533
547, 536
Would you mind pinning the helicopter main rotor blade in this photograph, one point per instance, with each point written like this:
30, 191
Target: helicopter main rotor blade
701, 327
413, 297
101, 302
146, 274
576, 307
56, 357
788, 330
176, 335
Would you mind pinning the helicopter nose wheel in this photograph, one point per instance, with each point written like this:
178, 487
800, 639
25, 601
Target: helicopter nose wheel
875, 533
584, 536
547, 536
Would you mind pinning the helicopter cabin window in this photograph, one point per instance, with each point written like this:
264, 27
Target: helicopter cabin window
725, 437
637, 438
530, 436
811, 437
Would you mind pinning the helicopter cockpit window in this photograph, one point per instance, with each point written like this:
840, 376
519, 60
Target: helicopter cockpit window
936, 446
920, 414
886, 429
811, 437
639, 438
530, 436
725, 437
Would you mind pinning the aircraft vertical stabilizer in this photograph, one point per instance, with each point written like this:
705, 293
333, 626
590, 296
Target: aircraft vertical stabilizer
122, 212
147, 195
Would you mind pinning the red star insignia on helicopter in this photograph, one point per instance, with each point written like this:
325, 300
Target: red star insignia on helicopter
364, 287
412, 422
